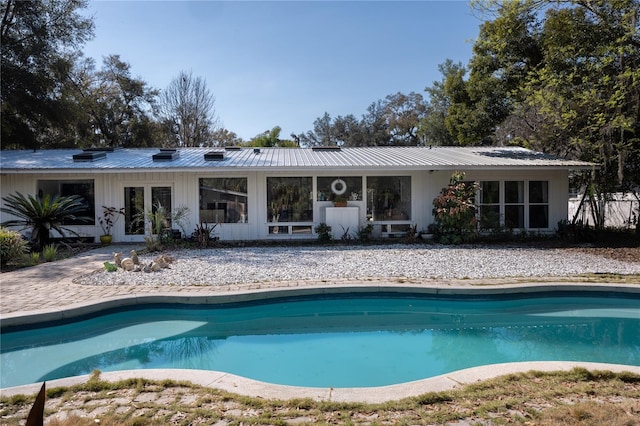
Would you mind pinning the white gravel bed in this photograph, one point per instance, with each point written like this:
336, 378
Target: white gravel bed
260, 264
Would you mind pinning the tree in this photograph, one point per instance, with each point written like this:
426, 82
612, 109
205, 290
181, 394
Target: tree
348, 131
117, 106
38, 42
271, 138
506, 51
322, 133
224, 137
432, 127
188, 108
42, 215
562, 77
403, 114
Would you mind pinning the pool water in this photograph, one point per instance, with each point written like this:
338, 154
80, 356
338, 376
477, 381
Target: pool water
331, 342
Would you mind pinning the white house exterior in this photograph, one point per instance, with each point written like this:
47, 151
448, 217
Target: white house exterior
284, 193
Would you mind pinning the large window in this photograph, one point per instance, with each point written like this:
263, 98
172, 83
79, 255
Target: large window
389, 198
223, 200
65, 188
289, 199
514, 203
538, 204
350, 187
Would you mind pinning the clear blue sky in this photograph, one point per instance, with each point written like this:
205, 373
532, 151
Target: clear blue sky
286, 63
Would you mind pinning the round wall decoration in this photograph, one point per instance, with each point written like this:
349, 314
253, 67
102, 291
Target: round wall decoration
338, 187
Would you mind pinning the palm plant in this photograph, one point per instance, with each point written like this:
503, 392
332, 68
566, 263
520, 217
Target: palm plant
42, 215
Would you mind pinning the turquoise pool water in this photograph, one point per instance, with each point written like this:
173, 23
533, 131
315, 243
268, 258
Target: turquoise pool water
331, 342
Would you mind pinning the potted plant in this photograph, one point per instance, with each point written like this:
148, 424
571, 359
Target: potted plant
110, 216
339, 201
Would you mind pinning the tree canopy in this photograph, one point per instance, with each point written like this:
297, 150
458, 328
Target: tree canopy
39, 40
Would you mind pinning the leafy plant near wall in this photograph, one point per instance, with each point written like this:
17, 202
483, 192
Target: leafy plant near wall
50, 252
454, 211
13, 246
110, 216
42, 215
159, 222
324, 233
203, 234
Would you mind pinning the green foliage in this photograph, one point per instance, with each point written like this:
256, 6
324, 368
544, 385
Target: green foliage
34, 258
324, 233
39, 40
160, 221
42, 215
364, 233
110, 267
113, 104
271, 138
12, 246
454, 211
50, 252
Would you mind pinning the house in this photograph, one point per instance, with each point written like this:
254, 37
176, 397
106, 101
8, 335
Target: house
284, 193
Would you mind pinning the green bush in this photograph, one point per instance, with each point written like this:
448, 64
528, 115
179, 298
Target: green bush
324, 233
50, 252
12, 246
34, 258
454, 211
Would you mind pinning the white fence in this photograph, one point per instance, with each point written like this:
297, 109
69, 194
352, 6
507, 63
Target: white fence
620, 212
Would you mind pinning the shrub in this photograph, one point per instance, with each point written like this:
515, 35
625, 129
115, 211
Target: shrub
12, 245
324, 233
42, 215
364, 233
50, 252
454, 211
203, 234
34, 258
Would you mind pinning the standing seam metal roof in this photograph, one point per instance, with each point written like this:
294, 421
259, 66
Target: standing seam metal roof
390, 158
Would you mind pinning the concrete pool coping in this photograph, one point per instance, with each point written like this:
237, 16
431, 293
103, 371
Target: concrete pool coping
245, 386
253, 388
25, 318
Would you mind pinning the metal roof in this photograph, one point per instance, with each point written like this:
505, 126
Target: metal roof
284, 159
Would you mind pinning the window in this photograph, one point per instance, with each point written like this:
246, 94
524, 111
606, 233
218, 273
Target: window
507, 204
514, 204
83, 188
489, 204
538, 204
389, 198
289, 199
223, 200
352, 188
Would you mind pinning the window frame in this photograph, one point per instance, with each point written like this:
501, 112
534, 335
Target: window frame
91, 211
527, 205
238, 215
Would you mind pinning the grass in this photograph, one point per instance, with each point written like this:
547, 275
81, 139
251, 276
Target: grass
576, 397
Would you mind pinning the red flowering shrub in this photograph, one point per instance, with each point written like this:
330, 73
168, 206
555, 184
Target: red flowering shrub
454, 211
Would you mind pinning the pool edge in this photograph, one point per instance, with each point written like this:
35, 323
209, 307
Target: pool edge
253, 388
24, 318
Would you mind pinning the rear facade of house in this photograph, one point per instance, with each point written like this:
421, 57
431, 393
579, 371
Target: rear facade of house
284, 193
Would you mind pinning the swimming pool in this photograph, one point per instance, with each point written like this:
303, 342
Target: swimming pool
347, 340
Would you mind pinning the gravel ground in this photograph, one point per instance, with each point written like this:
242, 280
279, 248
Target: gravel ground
222, 266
